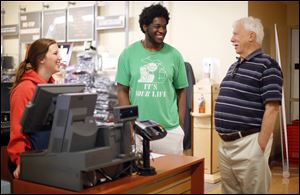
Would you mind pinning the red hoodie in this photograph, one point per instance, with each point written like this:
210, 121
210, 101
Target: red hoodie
19, 98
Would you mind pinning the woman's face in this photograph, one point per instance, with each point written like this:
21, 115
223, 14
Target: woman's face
52, 59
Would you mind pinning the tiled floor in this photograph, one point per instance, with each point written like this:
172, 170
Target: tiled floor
279, 184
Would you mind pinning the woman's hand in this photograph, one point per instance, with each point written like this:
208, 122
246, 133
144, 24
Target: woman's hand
17, 172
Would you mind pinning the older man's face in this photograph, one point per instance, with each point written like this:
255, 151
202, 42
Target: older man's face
240, 40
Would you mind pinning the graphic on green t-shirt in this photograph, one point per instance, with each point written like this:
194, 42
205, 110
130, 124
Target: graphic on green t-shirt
153, 78
152, 74
149, 71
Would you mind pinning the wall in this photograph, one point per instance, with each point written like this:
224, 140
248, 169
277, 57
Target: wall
189, 30
277, 16
292, 18
203, 29
293, 23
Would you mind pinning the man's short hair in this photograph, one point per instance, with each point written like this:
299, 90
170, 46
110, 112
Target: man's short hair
151, 12
252, 24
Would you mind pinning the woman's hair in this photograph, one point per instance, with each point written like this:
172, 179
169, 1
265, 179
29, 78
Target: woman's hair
151, 12
252, 24
36, 52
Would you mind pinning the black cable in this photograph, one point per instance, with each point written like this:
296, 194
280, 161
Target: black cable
104, 174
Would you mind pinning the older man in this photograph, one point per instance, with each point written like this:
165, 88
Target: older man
246, 111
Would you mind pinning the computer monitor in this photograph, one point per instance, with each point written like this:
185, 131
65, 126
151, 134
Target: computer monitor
39, 113
74, 127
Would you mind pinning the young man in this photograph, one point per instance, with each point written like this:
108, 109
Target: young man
152, 75
246, 111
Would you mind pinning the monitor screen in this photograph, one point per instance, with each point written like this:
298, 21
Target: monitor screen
39, 113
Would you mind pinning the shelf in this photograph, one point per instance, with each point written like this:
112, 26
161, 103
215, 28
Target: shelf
106, 71
200, 115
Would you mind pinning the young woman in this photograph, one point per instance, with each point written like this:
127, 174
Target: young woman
41, 63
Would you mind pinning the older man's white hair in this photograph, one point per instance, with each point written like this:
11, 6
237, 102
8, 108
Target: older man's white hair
252, 25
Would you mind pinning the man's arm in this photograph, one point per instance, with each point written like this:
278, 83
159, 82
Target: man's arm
123, 94
181, 101
268, 123
123, 97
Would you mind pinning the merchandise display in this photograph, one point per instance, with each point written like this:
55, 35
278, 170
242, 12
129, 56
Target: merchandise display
84, 72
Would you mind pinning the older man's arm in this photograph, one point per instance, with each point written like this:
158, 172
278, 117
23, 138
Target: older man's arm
268, 123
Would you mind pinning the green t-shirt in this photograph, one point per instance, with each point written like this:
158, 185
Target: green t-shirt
152, 78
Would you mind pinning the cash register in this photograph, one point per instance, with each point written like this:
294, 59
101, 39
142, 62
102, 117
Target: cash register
80, 154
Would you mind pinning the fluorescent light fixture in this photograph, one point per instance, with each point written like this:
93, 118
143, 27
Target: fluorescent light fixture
60, 20
87, 18
70, 18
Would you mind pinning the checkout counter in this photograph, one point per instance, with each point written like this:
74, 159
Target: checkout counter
176, 174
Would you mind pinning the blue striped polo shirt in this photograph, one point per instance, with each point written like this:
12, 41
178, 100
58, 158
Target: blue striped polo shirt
246, 88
